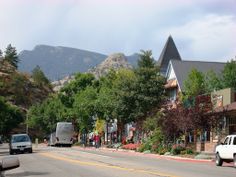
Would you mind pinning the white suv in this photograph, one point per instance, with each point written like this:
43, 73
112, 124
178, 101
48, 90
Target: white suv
20, 143
226, 151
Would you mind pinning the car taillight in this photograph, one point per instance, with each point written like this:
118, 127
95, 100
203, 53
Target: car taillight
57, 138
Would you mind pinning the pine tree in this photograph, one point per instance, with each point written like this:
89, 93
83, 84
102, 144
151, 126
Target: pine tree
11, 56
39, 77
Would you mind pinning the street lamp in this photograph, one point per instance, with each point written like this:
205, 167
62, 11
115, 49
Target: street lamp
106, 138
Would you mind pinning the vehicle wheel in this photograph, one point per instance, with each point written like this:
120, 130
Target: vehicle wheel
219, 161
235, 160
30, 151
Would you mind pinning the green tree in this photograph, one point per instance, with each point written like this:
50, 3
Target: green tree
39, 77
68, 92
229, 74
0, 53
125, 92
10, 117
44, 116
214, 81
18, 89
85, 109
149, 86
146, 60
194, 85
11, 56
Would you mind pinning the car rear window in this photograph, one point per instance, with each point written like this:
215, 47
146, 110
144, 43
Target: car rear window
23, 138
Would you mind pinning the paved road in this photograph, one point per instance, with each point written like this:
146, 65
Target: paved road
76, 162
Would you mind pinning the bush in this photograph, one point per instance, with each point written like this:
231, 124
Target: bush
176, 149
183, 152
145, 146
189, 151
162, 150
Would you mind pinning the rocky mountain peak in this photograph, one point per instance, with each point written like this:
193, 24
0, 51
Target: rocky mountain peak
114, 61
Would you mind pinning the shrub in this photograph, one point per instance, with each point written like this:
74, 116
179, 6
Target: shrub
162, 150
144, 147
189, 151
176, 149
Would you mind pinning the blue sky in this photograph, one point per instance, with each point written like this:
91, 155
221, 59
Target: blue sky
202, 29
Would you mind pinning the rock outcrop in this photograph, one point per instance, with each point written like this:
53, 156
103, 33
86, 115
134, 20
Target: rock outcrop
115, 61
57, 85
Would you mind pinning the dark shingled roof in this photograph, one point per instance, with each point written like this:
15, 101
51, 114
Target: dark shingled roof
168, 53
183, 68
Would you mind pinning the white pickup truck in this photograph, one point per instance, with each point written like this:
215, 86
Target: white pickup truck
226, 151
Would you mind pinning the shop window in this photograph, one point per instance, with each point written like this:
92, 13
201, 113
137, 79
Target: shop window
172, 94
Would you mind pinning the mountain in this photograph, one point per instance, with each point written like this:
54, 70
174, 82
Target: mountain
58, 62
133, 59
114, 61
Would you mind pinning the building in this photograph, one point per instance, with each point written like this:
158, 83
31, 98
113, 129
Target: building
176, 71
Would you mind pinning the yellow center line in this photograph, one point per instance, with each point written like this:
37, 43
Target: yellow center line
106, 166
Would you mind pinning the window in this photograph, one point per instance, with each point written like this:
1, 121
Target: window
226, 141
234, 142
230, 141
172, 94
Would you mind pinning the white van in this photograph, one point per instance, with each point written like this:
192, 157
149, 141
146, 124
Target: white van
63, 135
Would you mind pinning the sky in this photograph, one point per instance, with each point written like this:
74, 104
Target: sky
202, 29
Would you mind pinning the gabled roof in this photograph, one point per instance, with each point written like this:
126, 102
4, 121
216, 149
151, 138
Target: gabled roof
183, 68
168, 53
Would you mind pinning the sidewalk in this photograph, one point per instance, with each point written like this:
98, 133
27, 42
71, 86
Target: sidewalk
134, 153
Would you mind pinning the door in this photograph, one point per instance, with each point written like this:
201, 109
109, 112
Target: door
231, 147
224, 149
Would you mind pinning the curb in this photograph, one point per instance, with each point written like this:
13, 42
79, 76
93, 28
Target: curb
131, 152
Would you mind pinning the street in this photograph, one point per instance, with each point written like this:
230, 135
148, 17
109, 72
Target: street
71, 162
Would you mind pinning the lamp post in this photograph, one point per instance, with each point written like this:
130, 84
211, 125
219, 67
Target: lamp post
106, 138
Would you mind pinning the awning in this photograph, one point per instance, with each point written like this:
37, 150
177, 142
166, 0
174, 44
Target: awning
171, 83
228, 108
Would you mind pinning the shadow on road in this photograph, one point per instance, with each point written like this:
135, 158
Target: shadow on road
28, 173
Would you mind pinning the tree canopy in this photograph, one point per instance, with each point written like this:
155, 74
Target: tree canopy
229, 74
39, 77
10, 117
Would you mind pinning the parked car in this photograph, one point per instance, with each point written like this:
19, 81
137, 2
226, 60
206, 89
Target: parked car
226, 151
20, 143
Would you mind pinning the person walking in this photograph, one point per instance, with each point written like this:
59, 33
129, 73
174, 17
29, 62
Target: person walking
97, 140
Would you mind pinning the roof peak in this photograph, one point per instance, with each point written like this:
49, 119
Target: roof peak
169, 52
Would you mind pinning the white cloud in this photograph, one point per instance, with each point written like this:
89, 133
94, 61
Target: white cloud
108, 26
210, 37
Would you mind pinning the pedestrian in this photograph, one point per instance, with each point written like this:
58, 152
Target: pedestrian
97, 139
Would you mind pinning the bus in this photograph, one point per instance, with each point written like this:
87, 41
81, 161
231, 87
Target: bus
63, 135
